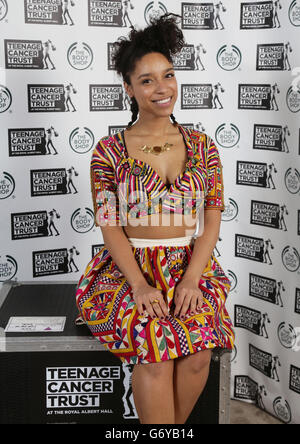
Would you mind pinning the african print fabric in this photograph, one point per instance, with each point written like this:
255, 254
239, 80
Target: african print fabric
124, 188
105, 302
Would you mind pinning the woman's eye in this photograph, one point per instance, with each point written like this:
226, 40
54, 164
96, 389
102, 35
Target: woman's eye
169, 74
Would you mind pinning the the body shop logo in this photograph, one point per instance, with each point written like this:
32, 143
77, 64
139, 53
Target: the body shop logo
287, 335
54, 12
228, 135
81, 140
106, 13
3, 9
203, 16
231, 210
271, 138
8, 267
80, 56
260, 14
294, 13
290, 258
262, 97
233, 279
273, 57
7, 185
82, 220
293, 98
154, 10
202, 96
5, 99
229, 57
282, 409
292, 180
51, 98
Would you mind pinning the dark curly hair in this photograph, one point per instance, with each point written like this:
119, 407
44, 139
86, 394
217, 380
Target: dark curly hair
162, 35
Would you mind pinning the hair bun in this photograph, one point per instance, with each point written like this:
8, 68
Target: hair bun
163, 35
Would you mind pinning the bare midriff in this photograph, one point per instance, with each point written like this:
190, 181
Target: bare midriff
162, 226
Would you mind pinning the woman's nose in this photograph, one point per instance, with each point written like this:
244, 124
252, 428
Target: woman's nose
160, 86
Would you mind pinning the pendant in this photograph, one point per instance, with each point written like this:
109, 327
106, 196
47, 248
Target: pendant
156, 149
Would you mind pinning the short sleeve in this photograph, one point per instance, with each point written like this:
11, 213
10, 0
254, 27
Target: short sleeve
103, 188
214, 198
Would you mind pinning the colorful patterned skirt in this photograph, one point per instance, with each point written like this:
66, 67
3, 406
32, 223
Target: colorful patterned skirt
105, 302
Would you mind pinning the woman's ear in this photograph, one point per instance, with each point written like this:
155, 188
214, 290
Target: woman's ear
128, 89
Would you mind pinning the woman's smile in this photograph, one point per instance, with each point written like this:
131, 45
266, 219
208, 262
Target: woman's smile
163, 102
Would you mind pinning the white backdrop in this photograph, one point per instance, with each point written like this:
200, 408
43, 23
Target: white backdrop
239, 81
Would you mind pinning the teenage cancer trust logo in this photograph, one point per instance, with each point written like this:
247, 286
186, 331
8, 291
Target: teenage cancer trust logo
51, 98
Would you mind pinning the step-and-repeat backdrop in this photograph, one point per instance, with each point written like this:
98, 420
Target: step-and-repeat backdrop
239, 81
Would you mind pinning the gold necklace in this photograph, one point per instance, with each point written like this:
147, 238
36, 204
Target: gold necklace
156, 149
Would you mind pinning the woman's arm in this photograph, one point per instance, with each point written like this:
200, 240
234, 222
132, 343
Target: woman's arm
121, 252
213, 207
204, 245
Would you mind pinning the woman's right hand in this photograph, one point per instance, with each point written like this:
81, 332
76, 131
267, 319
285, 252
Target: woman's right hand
143, 295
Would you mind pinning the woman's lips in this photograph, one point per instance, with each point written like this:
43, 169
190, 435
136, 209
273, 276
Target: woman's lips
164, 103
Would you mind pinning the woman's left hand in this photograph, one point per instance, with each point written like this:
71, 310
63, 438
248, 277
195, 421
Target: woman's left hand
187, 295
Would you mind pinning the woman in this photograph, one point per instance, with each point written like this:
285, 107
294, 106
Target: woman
155, 295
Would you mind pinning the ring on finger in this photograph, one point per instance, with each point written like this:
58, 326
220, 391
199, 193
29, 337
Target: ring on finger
156, 301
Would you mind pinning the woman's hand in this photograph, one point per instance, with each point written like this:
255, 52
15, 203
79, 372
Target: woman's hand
144, 294
187, 296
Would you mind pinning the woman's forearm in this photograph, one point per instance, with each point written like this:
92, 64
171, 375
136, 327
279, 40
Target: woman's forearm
121, 252
204, 246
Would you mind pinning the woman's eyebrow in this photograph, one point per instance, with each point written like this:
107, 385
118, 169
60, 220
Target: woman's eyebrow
149, 73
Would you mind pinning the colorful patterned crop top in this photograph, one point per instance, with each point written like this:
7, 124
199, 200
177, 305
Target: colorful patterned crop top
124, 188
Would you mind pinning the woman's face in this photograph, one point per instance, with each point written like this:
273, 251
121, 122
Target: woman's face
153, 80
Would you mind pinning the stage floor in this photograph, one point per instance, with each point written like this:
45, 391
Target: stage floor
243, 413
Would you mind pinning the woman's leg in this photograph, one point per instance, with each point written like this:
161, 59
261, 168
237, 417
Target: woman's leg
190, 377
153, 393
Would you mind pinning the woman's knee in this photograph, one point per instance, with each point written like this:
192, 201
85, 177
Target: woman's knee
197, 362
